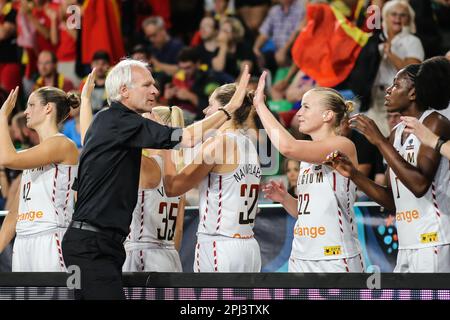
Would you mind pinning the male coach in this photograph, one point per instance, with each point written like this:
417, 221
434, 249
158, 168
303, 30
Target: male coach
108, 174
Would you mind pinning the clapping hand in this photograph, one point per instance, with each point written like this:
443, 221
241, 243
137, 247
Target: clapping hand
341, 163
88, 86
10, 102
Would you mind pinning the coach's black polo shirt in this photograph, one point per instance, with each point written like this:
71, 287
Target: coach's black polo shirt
108, 173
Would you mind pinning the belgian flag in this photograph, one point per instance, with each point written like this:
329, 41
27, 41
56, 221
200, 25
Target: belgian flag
101, 30
336, 53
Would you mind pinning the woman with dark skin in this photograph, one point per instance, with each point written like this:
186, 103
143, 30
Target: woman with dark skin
418, 176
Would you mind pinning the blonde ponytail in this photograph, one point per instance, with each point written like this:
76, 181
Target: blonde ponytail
173, 117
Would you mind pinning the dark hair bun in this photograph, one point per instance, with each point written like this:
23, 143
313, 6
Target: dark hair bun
74, 100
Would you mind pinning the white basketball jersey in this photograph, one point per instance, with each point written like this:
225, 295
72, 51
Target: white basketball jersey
154, 217
228, 201
421, 222
325, 228
46, 198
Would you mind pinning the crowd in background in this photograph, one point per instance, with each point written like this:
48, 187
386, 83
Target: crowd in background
193, 47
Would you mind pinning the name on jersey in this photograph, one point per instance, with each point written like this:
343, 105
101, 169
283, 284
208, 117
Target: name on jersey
29, 171
312, 232
407, 216
309, 177
252, 169
30, 215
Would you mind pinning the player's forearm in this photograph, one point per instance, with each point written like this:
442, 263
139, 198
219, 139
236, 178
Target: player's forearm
410, 175
290, 205
377, 193
7, 150
85, 117
198, 131
8, 230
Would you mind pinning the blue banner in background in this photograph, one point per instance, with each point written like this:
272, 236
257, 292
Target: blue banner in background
274, 232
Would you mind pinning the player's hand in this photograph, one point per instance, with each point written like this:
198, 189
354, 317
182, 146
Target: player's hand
341, 163
241, 90
259, 98
10, 102
275, 191
89, 86
414, 126
368, 128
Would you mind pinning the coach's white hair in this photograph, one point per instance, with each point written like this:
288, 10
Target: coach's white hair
412, 14
120, 75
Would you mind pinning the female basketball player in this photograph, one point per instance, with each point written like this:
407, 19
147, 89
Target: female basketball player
325, 235
157, 225
49, 169
228, 171
419, 176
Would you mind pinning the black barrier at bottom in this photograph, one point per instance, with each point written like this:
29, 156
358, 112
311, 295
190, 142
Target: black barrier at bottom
241, 286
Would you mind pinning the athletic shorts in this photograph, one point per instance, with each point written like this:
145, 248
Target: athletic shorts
152, 260
353, 264
233, 255
38, 253
430, 259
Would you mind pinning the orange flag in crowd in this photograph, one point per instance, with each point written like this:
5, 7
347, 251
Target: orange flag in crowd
101, 30
328, 46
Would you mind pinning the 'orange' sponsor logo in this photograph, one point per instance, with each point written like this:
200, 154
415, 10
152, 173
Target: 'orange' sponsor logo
30, 216
407, 216
312, 232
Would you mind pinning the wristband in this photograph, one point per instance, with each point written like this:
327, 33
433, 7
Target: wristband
439, 144
226, 113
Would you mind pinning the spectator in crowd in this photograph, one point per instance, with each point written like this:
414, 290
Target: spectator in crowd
34, 19
22, 136
233, 53
219, 8
164, 49
48, 75
280, 27
191, 86
101, 62
400, 49
207, 48
252, 12
65, 40
9, 64
141, 53
393, 118
291, 168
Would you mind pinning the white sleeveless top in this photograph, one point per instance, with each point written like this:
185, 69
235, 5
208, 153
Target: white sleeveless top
326, 227
154, 218
46, 199
228, 201
421, 222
